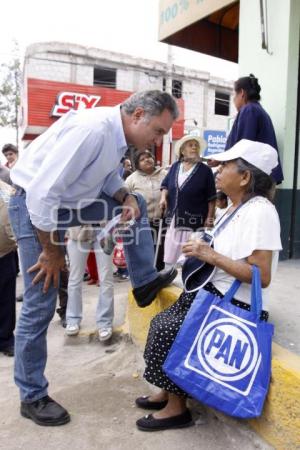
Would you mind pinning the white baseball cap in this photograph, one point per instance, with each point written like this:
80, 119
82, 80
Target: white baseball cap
260, 155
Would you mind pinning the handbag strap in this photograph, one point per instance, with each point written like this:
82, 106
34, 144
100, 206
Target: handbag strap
256, 293
221, 225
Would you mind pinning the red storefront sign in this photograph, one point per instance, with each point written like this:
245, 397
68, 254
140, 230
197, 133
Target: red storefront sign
72, 100
48, 100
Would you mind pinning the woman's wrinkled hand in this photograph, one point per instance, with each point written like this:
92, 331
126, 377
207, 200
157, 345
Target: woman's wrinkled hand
199, 249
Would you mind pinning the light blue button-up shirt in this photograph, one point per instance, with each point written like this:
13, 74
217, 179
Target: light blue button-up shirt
70, 164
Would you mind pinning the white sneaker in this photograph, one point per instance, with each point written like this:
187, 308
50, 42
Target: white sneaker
72, 330
105, 334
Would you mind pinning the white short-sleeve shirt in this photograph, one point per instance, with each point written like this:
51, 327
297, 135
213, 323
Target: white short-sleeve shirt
255, 226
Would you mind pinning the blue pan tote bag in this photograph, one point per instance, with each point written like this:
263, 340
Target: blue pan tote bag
222, 353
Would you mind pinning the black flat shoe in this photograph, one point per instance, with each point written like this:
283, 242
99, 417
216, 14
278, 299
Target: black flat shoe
8, 351
144, 295
143, 402
45, 411
149, 423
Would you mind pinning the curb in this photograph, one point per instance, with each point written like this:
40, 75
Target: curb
138, 319
280, 422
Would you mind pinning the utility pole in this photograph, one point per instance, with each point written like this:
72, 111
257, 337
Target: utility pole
16, 93
166, 150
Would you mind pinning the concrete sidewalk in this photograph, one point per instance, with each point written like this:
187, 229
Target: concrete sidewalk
98, 384
285, 305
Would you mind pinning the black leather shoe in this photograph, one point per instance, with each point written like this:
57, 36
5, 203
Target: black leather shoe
8, 351
45, 411
143, 402
150, 423
145, 295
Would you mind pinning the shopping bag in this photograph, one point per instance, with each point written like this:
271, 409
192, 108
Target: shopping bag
119, 255
222, 353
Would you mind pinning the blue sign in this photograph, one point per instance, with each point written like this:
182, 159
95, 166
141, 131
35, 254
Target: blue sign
216, 141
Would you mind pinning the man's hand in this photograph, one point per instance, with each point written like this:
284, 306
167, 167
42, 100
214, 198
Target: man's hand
131, 209
51, 261
48, 266
200, 249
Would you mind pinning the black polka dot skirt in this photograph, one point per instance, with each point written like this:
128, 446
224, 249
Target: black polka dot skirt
162, 333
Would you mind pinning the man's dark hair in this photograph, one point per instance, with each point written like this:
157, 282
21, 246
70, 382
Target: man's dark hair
153, 102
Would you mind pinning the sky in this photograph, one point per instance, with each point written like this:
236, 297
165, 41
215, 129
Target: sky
125, 26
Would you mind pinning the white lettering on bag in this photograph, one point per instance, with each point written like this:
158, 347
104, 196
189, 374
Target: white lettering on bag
225, 350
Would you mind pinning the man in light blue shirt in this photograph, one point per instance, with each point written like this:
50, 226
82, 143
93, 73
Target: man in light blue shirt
69, 176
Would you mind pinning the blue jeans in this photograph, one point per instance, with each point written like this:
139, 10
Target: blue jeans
38, 308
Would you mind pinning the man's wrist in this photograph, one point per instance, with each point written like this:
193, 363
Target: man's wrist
50, 243
53, 250
121, 195
125, 196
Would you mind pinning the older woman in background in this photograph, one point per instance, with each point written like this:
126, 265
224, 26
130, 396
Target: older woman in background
146, 180
187, 197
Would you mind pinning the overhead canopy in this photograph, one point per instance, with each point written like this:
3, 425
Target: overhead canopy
206, 26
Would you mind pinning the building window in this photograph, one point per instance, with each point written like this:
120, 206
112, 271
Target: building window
222, 101
176, 87
104, 76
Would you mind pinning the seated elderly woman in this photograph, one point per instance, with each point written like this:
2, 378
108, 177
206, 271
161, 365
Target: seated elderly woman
252, 236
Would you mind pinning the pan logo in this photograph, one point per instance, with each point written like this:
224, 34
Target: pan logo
225, 350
